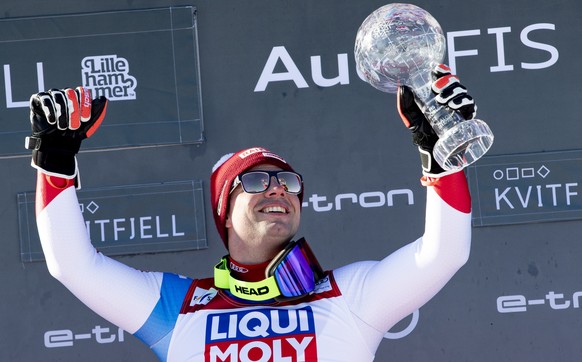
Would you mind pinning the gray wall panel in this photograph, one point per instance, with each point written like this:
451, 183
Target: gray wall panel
345, 138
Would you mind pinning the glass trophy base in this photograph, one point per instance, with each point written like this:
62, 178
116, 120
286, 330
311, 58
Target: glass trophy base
463, 144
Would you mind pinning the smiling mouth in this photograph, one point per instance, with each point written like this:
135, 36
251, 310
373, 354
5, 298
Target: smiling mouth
274, 210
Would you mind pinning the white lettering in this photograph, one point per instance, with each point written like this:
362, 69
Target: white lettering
292, 72
214, 333
338, 198
501, 66
553, 297
158, 232
300, 347
553, 188
390, 196
315, 198
280, 56
526, 201
117, 228
277, 328
246, 350
519, 303
102, 224
231, 353
511, 304
132, 223
175, 232
259, 329
143, 227
554, 55
268, 75
365, 200
569, 193
66, 337
453, 52
245, 331
10, 103
98, 332
262, 351
375, 194
343, 73
60, 338
123, 228
108, 75
278, 351
232, 326
558, 194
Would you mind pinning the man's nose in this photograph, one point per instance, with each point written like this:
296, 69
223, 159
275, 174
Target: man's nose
275, 189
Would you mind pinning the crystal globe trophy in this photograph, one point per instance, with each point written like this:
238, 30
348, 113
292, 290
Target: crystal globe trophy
400, 44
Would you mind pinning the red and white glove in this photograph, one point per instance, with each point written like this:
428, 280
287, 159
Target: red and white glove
60, 120
450, 93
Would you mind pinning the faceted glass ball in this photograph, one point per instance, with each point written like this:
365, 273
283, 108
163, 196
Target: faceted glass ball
396, 41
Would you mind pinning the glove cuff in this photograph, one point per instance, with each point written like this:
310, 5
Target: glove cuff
54, 156
53, 164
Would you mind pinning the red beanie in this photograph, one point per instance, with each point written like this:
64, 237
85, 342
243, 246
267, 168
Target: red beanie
227, 169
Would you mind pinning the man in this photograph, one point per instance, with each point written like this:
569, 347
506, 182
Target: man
269, 300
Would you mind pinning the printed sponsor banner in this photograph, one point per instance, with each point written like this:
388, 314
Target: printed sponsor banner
144, 61
524, 188
262, 335
129, 219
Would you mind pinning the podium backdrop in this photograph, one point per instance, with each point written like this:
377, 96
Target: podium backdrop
193, 80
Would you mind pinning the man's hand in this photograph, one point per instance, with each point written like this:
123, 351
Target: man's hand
450, 93
60, 119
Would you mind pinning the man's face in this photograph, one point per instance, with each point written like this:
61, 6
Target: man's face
267, 219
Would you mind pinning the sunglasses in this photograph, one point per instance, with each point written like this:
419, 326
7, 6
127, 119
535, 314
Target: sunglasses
255, 182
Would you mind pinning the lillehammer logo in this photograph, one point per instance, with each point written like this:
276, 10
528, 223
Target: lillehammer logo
108, 75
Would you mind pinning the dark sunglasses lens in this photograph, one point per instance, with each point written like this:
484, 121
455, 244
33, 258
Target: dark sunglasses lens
258, 181
254, 182
290, 181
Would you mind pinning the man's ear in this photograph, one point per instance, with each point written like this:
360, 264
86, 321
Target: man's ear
228, 222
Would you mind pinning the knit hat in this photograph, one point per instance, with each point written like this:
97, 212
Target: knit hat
227, 169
